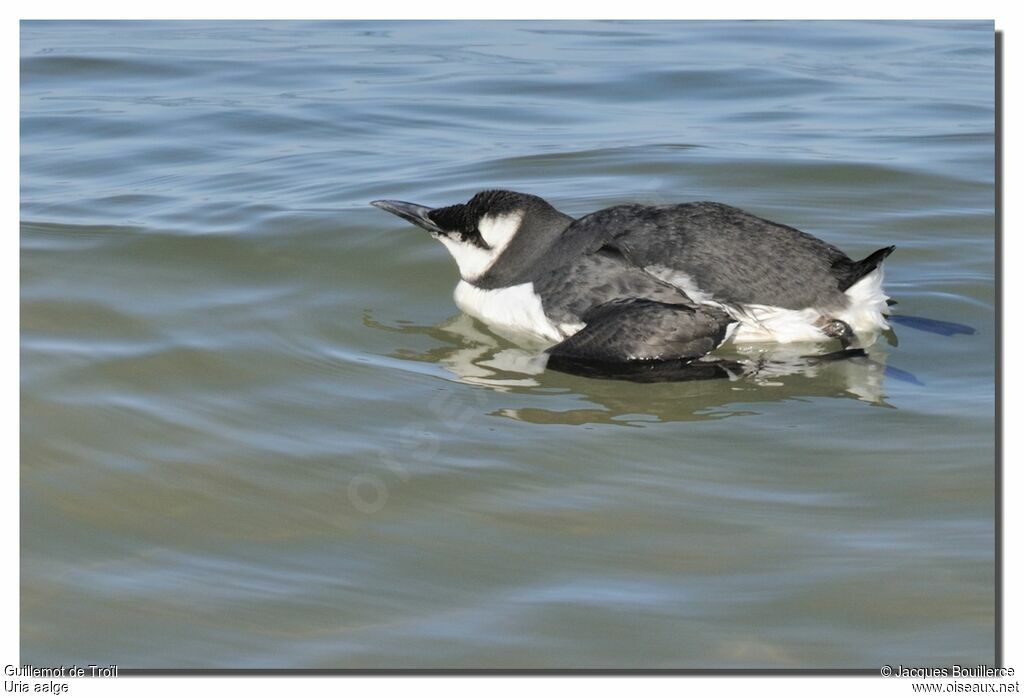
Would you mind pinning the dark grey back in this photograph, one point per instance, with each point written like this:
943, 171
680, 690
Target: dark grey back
733, 255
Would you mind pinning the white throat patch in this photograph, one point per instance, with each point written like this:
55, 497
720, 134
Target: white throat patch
497, 231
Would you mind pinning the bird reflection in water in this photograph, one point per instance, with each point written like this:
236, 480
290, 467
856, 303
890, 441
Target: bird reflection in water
727, 383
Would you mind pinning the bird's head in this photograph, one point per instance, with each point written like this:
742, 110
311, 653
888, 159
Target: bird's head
477, 232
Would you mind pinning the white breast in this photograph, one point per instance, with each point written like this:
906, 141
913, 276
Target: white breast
516, 309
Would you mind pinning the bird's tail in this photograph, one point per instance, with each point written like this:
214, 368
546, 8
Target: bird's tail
850, 273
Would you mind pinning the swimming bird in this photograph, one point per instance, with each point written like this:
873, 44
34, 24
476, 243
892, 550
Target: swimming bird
637, 283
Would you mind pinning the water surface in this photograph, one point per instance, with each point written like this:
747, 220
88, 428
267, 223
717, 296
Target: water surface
257, 433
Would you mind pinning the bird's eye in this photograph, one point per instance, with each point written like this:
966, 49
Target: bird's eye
475, 238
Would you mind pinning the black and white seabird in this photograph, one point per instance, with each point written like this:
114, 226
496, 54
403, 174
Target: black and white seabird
636, 283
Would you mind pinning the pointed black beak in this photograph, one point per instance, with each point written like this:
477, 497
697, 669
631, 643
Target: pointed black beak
414, 213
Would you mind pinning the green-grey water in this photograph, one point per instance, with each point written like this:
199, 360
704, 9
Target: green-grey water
257, 433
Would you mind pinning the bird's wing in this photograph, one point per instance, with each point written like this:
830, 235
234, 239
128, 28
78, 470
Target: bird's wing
639, 329
716, 252
575, 289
